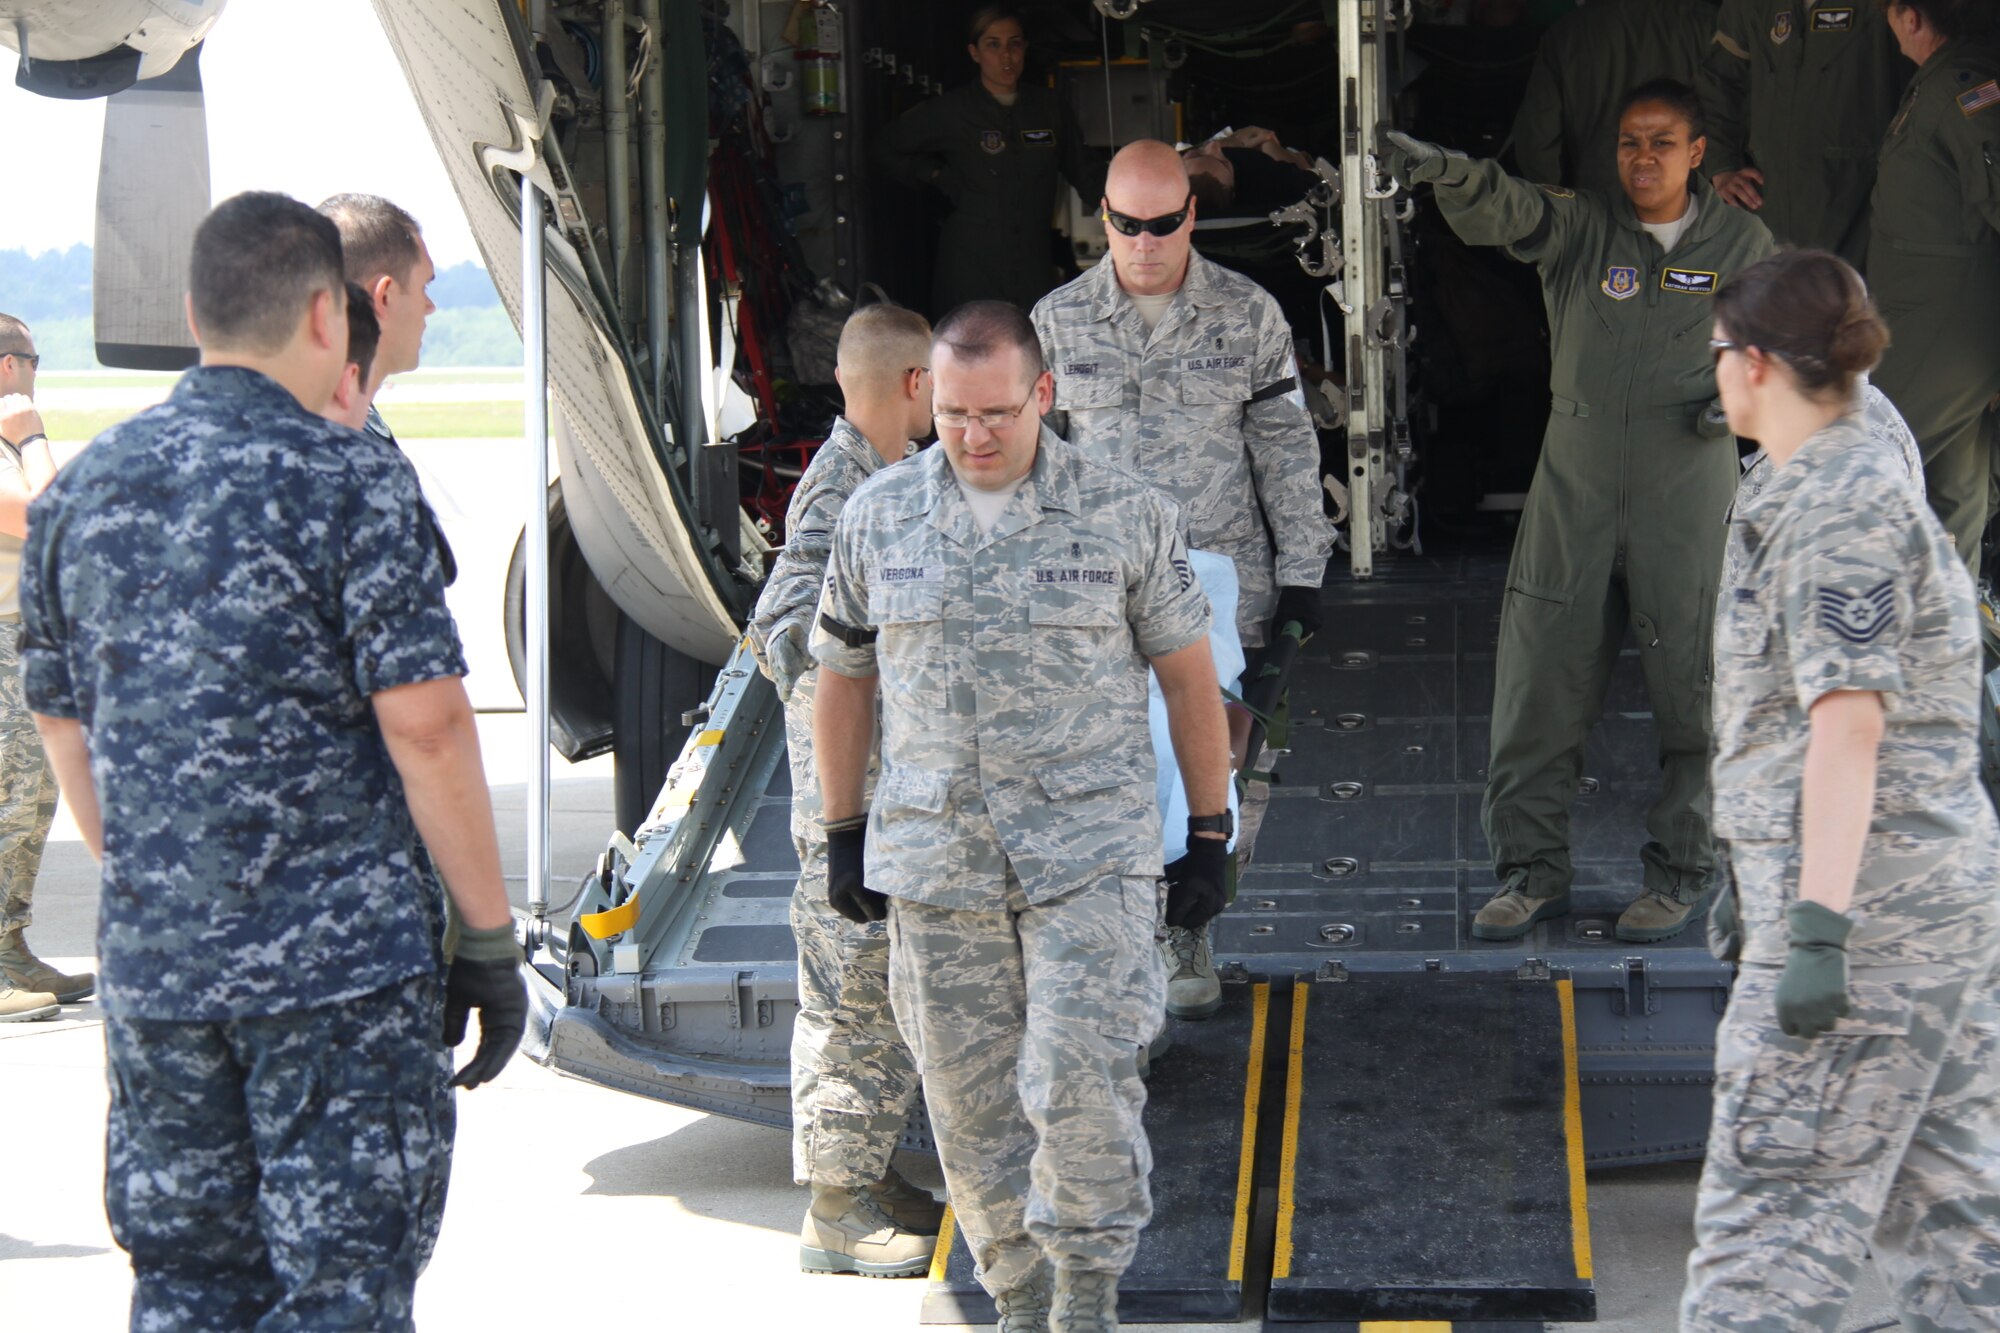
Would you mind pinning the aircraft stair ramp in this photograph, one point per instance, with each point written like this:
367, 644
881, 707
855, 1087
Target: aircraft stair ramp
1419, 1106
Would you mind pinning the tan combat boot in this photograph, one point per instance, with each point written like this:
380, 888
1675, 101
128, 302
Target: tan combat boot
24, 971
1658, 914
1513, 912
846, 1231
1086, 1302
1194, 991
1024, 1309
25, 1006
911, 1208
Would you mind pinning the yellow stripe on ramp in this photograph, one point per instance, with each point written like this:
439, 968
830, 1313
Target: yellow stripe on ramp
941, 1256
1579, 1206
1405, 1326
1288, 1160
1246, 1161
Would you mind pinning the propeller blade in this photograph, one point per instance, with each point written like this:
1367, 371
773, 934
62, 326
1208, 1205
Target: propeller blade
152, 192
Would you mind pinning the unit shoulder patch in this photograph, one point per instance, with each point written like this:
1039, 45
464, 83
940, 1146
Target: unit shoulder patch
1621, 282
1858, 617
1689, 281
1833, 18
993, 141
1781, 27
1974, 100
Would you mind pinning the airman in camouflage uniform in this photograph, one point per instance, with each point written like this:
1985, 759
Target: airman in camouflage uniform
219, 599
1181, 371
1015, 829
1883, 1134
853, 1079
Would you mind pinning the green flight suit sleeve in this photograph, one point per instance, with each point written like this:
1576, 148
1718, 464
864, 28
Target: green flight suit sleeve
1724, 85
1082, 165
1538, 125
914, 149
1486, 206
1973, 145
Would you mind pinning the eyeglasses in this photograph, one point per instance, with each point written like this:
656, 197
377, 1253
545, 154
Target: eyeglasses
1164, 225
1720, 345
990, 420
34, 359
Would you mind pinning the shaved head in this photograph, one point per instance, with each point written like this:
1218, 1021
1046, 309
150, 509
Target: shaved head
1149, 177
1149, 182
880, 344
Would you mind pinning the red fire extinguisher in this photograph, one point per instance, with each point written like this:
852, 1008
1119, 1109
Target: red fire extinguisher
820, 41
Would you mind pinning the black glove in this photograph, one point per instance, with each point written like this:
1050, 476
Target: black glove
1812, 993
485, 974
846, 841
1295, 605
1198, 883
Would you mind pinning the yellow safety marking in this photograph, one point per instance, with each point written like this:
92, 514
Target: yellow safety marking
1579, 1207
941, 1256
1253, 1096
1288, 1158
615, 921
713, 736
1406, 1326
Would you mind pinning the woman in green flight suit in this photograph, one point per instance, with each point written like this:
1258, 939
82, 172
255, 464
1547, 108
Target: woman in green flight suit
994, 149
1934, 253
1624, 522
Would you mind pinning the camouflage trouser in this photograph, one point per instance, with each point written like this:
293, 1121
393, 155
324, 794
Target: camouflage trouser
281, 1173
27, 790
1027, 1026
1881, 1136
853, 1081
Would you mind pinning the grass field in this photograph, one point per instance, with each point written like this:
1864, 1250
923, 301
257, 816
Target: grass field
411, 421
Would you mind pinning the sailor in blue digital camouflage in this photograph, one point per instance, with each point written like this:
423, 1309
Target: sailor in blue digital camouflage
1857, 1093
30, 989
853, 1081
236, 648
1006, 595
1182, 372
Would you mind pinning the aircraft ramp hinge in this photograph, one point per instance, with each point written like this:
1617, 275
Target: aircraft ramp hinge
1637, 996
1532, 969
1332, 970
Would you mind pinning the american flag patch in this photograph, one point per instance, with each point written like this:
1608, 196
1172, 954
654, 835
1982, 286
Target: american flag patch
1978, 99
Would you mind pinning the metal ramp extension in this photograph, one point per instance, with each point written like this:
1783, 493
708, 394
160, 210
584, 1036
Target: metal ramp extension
1421, 1133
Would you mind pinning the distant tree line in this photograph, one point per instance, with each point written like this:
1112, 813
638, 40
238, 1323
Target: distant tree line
51, 291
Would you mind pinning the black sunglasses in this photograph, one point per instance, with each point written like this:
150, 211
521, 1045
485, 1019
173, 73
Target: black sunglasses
1720, 345
1164, 225
34, 359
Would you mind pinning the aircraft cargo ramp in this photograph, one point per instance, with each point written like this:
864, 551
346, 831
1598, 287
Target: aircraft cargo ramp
1421, 1105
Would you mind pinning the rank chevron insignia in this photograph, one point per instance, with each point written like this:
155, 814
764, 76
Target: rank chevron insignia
1858, 617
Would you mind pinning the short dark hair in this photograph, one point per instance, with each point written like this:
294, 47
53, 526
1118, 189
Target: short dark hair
377, 237
1809, 309
1211, 193
980, 329
1676, 96
259, 259
1953, 19
13, 334
364, 331
986, 16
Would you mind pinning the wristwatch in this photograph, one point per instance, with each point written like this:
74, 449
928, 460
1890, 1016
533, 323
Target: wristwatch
1224, 823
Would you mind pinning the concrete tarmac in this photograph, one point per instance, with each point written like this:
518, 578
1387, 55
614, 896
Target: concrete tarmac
572, 1205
